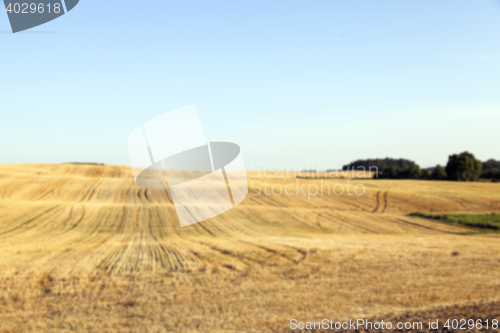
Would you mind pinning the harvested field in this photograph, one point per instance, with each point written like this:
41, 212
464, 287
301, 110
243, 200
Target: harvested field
84, 249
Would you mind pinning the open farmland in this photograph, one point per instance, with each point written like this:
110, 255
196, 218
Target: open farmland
84, 249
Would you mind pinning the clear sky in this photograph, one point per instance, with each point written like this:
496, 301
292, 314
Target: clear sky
294, 83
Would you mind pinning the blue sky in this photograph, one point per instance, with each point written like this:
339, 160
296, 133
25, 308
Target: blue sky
294, 83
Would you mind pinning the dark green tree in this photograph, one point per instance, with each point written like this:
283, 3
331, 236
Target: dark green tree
463, 167
410, 172
390, 172
491, 164
380, 163
426, 175
494, 175
438, 173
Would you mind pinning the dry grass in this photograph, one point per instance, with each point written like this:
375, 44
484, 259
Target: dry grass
83, 249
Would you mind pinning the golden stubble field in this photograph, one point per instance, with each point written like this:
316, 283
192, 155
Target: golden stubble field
82, 249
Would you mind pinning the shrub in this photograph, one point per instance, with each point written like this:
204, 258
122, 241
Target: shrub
426, 174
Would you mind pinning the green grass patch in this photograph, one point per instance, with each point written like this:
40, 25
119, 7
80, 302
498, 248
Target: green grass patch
486, 222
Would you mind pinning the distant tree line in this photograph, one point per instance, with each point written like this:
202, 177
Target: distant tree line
491, 170
380, 163
491, 174
460, 167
